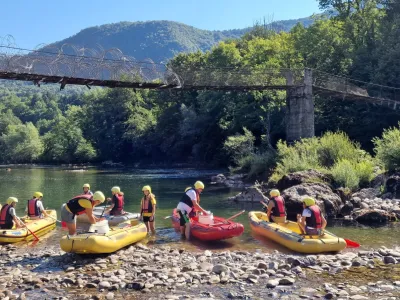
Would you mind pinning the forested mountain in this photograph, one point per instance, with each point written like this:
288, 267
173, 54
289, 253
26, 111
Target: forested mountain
158, 40
211, 127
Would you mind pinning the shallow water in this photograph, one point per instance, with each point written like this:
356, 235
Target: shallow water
59, 185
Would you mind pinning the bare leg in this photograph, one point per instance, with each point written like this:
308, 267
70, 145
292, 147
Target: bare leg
71, 228
152, 227
147, 226
187, 230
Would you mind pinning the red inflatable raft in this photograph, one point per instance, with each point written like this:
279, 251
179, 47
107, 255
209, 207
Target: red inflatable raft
221, 229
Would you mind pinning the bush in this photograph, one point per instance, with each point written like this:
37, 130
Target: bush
240, 147
387, 149
365, 172
335, 146
345, 175
299, 157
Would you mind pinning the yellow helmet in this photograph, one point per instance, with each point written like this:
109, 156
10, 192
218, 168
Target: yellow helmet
199, 185
146, 188
99, 196
87, 185
309, 201
115, 189
37, 195
10, 200
274, 193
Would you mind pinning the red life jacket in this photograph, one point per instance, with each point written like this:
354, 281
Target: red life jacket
6, 219
119, 202
279, 207
315, 220
33, 209
74, 205
149, 208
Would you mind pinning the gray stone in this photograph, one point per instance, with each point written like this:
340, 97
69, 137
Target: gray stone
218, 269
104, 285
300, 177
250, 194
286, 281
214, 279
358, 297
389, 260
110, 296
272, 283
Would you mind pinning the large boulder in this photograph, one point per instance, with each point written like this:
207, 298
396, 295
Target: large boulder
328, 201
368, 193
250, 194
372, 216
220, 178
347, 209
296, 178
378, 181
393, 185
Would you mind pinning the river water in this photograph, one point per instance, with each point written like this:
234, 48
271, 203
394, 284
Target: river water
59, 185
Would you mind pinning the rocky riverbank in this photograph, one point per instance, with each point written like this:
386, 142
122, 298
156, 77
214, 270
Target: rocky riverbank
377, 204
139, 272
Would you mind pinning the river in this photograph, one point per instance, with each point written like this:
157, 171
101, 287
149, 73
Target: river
59, 185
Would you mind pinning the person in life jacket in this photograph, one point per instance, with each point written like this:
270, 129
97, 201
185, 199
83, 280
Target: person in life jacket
8, 216
81, 204
118, 202
86, 189
148, 209
35, 209
276, 207
188, 203
311, 221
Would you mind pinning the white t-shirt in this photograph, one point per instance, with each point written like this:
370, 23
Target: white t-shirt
39, 205
306, 213
183, 206
12, 211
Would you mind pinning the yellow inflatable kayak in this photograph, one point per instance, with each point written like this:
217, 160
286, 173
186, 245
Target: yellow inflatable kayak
38, 226
116, 238
289, 235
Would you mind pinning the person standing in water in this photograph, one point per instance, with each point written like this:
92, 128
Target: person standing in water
86, 189
148, 209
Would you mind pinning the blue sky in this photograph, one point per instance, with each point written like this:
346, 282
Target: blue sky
32, 22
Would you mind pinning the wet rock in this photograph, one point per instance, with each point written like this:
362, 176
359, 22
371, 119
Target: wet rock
232, 295
346, 209
286, 281
218, 269
250, 194
220, 178
328, 201
368, 216
393, 185
136, 286
296, 178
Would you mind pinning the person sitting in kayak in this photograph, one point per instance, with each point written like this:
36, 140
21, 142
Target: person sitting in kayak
81, 204
276, 207
148, 209
35, 209
8, 216
189, 203
118, 202
86, 189
311, 221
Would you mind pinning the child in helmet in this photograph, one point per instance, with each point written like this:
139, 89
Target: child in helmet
118, 202
8, 217
276, 207
148, 209
35, 209
86, 189
311, 221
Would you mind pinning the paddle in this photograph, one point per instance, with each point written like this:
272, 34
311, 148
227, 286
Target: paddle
29, 229
167, 217
238, 214
54, 219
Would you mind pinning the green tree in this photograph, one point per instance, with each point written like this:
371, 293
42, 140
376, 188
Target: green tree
21, 143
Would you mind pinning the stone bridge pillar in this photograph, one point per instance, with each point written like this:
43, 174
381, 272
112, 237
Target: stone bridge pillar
299, 108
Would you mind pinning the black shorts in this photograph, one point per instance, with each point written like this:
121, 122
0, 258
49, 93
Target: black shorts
148, 219
183, 218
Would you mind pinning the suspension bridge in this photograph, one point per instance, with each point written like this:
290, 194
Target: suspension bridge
111, 68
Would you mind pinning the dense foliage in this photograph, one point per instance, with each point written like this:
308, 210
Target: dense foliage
239, 129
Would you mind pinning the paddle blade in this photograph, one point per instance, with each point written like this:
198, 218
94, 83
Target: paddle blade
351, 244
